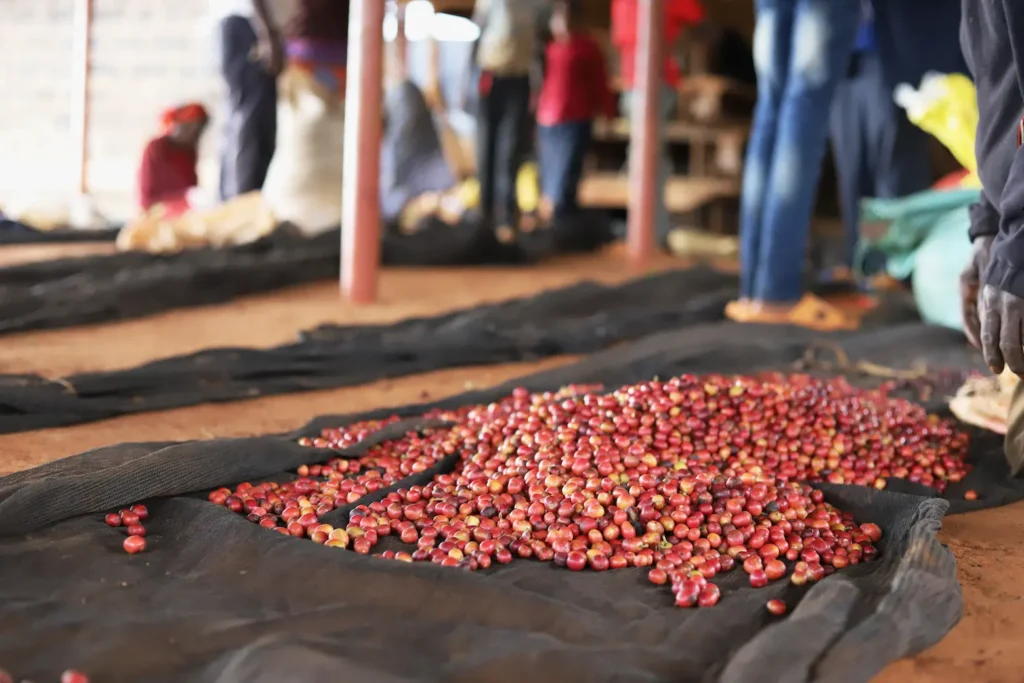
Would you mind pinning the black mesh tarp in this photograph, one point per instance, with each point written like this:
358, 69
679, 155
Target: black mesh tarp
104, 288
14, 232
575, 320
216, 598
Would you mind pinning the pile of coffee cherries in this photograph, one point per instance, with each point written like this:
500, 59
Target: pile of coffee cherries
131, 519
689, 477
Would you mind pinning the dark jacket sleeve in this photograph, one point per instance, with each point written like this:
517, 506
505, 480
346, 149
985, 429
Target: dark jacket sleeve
1006, 267
984, 219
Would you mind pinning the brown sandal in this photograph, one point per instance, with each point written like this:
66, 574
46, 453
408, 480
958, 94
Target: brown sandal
810, 312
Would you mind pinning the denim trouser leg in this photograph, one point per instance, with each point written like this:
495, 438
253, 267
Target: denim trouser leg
821, 43
772, 42
668, 105
561, 152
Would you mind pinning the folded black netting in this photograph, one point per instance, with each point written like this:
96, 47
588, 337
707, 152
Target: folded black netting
578, 319
215, 598
15, 232
109, 287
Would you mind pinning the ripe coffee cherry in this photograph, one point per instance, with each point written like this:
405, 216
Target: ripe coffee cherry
134, 544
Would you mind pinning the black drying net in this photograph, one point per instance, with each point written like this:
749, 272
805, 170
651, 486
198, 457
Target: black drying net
105, 288
218, 599
15, 232
575, 320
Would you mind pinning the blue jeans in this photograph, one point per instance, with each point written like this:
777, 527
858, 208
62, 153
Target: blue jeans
561, 152
802, 49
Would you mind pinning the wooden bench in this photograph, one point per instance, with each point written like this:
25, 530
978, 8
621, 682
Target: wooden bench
679, 131
718, 145
683, 194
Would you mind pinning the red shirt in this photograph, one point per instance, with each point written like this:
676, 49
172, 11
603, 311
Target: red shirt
575, 84
166, 173
678, 13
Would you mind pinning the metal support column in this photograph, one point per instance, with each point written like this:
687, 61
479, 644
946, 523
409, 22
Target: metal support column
360, 214
645, 131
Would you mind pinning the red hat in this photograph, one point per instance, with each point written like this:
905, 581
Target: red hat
186, 113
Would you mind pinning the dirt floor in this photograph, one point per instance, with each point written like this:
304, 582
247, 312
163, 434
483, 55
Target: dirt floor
989, 545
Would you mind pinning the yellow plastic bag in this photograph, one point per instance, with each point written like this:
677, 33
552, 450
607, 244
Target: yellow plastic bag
527, 189
946, 106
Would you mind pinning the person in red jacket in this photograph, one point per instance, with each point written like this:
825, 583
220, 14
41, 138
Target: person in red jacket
168, 168
574, 92
678, 15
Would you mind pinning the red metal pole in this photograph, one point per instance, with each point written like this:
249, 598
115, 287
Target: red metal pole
360, 196
645, 133
81, 78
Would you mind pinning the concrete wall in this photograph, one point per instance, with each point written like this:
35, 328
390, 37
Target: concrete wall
148, 54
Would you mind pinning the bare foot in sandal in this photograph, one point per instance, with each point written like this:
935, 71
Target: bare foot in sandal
810, 312
738, 310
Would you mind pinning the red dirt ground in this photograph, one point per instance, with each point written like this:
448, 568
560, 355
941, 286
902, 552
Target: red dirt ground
989, 545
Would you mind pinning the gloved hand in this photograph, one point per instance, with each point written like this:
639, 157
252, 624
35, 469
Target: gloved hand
970, 289
1002, 318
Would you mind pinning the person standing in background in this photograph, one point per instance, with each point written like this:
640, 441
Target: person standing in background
575, 92
505, 69
251, 57
678, 15
878, 151
802, 50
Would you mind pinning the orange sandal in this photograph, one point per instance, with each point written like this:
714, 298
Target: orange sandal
738, 310
810, 312
854, 304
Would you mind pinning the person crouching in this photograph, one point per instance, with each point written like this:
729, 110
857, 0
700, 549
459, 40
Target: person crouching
168, 172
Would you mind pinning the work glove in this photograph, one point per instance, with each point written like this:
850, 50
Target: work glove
1002, 318
970, 288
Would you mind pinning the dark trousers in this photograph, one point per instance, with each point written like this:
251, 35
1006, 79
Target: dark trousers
251, 129
878, 151
561, 152
501, 124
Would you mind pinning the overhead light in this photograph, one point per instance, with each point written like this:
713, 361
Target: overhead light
419, 16
390, 27
422, 22
453, 29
